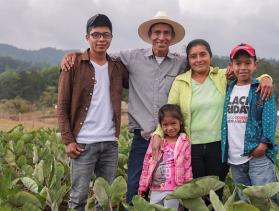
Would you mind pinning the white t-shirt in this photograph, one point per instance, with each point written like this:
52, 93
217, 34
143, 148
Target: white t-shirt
237, 113
99, 125
159, 59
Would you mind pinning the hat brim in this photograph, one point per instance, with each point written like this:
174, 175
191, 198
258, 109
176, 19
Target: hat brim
145, 26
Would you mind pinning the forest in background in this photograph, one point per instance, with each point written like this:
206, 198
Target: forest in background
27, 84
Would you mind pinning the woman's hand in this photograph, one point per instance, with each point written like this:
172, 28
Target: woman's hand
156, 146
229, 72
265, 88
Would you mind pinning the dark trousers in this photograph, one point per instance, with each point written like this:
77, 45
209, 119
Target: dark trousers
206, 161
135, 162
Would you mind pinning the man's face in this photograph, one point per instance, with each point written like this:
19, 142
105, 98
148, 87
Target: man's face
161, 36
99, 39
243, 68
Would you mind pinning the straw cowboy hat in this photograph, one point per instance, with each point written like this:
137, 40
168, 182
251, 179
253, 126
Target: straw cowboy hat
161, 17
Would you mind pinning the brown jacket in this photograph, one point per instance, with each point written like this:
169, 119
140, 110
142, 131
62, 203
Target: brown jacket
75, 91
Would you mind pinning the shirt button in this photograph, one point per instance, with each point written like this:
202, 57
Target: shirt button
86, 108
80, 123
90, 93
93, 78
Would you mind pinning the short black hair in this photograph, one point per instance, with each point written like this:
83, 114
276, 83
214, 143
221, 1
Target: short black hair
98, 20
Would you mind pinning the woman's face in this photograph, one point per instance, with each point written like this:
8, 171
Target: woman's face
199, 59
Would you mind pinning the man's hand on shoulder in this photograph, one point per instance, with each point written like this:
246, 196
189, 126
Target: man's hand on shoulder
68, 61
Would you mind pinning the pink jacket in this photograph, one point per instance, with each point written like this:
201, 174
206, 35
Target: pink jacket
182, 162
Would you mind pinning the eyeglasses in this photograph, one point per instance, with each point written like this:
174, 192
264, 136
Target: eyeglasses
105, 35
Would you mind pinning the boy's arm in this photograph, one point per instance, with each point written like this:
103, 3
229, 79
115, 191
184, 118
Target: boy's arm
63, 113
63, 106
269, 128
269, 122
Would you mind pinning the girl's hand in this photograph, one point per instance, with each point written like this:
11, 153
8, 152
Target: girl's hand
259, 151
156, 145
141, 194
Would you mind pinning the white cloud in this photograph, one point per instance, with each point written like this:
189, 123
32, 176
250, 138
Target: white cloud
35, 24
222, 8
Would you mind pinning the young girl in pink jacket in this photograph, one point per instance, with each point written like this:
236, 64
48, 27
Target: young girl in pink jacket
173, 166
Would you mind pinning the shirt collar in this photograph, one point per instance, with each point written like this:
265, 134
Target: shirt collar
85, 55
254, 82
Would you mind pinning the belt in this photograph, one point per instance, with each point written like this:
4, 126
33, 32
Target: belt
137, 132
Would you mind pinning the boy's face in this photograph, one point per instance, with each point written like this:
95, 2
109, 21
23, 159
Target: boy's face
243, 67
99, 39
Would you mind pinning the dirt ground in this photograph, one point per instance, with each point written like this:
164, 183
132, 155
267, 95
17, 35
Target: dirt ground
35, 120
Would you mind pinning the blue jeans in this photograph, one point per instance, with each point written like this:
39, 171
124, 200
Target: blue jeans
135, 162
97, 158
257, 171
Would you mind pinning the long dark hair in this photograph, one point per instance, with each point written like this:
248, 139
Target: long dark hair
194, 43
175, 111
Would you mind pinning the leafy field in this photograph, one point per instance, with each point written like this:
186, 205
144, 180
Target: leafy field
34, 175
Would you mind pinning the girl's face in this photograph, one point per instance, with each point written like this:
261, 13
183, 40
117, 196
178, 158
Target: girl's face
199, 59
170, 125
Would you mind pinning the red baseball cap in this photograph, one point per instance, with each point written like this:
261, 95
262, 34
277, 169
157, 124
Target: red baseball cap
244, 47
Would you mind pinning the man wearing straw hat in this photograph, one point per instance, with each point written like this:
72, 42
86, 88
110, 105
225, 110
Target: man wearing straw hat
151, 73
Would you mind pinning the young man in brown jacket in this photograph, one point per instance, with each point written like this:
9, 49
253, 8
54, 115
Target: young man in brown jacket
89, 111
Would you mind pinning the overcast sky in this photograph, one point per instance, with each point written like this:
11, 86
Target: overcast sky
34, 24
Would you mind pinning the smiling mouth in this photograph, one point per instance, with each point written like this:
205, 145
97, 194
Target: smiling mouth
161, 43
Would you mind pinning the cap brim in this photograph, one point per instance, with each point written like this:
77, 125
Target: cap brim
241, 49
145, 26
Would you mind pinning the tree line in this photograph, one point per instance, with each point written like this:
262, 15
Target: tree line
39, 85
